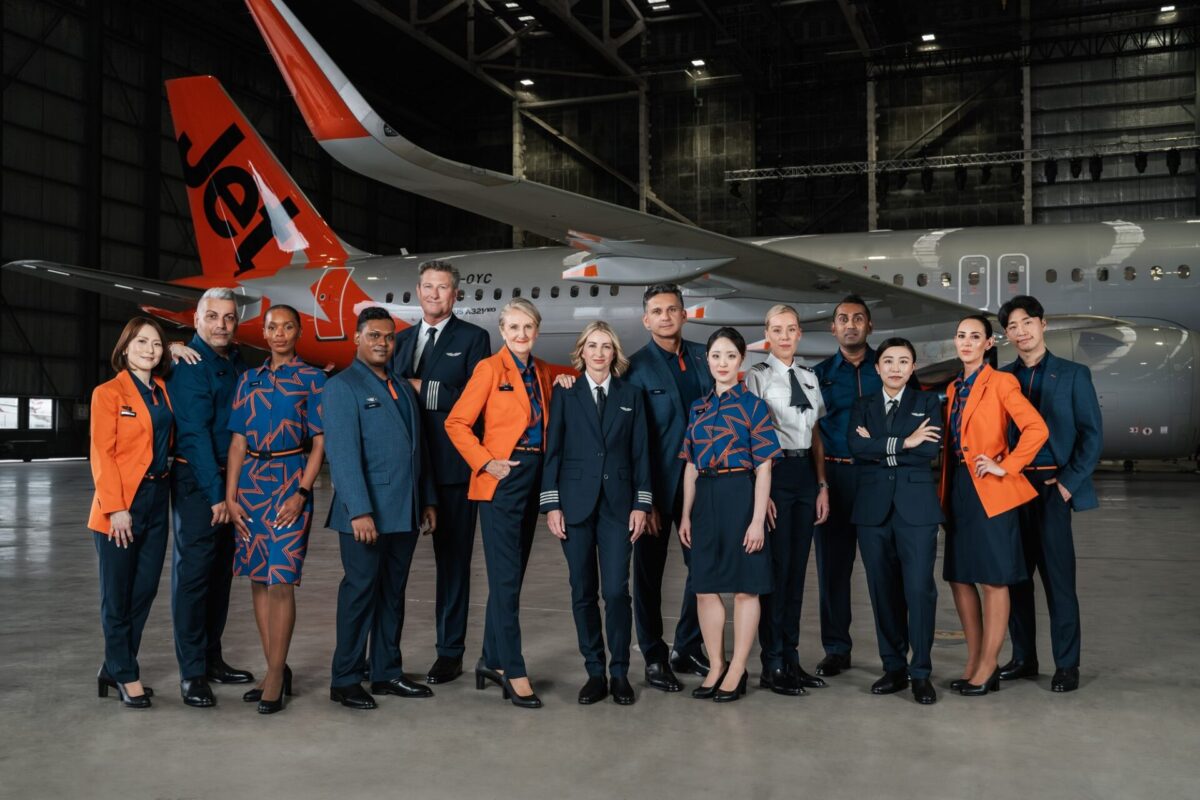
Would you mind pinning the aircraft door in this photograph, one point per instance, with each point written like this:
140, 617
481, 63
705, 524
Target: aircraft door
327, 303
1012, 276
974, 288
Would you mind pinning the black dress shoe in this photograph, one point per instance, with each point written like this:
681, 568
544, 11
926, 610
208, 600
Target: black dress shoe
660, 676
220, 672
703, 692
595, 690
255, 694
804, 679
484, 673
891, 682
695, 663
923, 693
520, 700
1064, 680
781, 681
197, 693
833, 664
980, 689
722, 696
1014, 670
444, 670
622, 691
352, 696
104, 681
401, 687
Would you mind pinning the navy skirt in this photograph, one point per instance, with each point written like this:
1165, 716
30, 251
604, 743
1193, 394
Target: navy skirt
979, 548
721, 513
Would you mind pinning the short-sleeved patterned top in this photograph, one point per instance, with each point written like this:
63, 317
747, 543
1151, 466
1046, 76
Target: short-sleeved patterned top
731, 430
278, 410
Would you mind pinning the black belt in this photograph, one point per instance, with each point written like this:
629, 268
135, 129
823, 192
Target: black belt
156, 476
264, 455
795, 453
709, 472
527, 450
836, 460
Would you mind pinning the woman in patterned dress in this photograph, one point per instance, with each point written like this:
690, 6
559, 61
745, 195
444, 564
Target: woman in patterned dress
274, 459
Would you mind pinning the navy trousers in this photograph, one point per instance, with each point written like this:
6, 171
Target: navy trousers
129, 579
201, 573
508, 521
453, 544
1050, 547
794, 492
649, 562
370, 603
598, 552
836, 542
898, 559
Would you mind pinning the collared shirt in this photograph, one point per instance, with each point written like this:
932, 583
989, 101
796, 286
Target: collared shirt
731, 430
162, 419
1031, 380
532, 437
962, 392
769, 380
841, 384
592, 385
689, 385
203, 397
278, 410
423, 339
887, 398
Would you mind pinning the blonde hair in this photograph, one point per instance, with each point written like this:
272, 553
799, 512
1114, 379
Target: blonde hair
619, 364
780, 308
525, 307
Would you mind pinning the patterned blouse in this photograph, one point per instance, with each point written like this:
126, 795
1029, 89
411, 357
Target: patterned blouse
278, 410
731, 430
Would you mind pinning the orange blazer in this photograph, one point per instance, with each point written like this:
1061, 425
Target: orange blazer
505, 415
122, 446
995, 401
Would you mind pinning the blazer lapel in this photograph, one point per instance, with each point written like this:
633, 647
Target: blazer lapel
616, 396
582, 390
370, 386
1050, 383
904, 419
977, 390
512, 377
441, 345
697, 359
404, 352
133, 398
664, 374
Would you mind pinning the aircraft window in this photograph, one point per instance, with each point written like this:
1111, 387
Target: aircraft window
496, 295
1102, 274
554, 291
1130, 273
1013, 277
1184, 271
461, 294
973, 279
614, 290
922, 279
1077, 275
946, 279
1051, 275
407, 297
1156, 273
535, 292
898, 279
595, 291
516, 291
574, 291
479, 294
388, 298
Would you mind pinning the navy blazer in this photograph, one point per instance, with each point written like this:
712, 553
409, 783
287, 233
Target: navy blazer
589, 459
888, 475
666, 415
1072, 412
457, 349
379, 464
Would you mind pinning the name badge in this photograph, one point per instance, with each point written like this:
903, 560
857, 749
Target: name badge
506, 387
126, 411
372, 402
221, 373
658, 391
255, 383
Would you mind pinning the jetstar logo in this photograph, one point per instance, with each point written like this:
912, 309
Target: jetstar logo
234, 198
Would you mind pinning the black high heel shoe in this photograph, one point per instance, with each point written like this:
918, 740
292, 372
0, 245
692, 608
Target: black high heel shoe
958, 684
703, 692
520, 700
271, 706
979, 690
129, 701
484, 673
103, 679
254, 695
722, 696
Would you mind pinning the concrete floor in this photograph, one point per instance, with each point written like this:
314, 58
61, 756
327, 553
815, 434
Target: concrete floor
1130, 732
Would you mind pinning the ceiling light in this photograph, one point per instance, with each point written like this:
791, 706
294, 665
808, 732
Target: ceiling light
928, 37
660, 7
527, 81
512, 5
526, 18
656, 2
697, 62
1167, 9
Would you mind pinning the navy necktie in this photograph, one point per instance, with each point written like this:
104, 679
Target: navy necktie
892, 405
799, 398
600, 399
426, 353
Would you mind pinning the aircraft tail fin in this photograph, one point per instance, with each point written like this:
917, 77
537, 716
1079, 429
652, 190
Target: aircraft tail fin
247, 211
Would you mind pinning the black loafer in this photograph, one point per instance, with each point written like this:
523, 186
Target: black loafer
804, 679
401, 687
352, 696
781, 681
891, 682
220, 672
444, 670
1015, 670
694, 663
595, 690
660, 676
622, 691
923, 693
833, 664
197, 693
1064, 680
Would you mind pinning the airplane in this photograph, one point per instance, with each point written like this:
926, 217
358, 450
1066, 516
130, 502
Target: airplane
1122, 294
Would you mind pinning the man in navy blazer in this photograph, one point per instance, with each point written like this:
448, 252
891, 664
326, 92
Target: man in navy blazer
383, 495
1063, 394
894, 435
672, 373
437, 358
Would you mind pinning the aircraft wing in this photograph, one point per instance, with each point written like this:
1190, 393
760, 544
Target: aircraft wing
619, 245
138, 290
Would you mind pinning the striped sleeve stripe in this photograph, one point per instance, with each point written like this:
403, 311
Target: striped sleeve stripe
550, 496
431, 395
645, 497
891, 461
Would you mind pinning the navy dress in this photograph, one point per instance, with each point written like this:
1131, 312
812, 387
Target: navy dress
728, 436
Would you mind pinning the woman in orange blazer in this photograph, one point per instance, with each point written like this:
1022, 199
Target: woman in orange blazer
132, 425
511, 391
982, 486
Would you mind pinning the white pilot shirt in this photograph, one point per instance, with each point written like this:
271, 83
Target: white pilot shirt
423, 338
769, 380
592, 385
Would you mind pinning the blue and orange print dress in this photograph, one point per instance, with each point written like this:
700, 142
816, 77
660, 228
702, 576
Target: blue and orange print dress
729, 435
276, 412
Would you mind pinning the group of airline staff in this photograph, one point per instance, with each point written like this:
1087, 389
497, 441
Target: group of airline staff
615, 451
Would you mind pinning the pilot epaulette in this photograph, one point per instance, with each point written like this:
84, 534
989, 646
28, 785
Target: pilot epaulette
760, 366
807, 369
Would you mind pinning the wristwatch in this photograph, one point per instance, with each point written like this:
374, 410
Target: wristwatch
305, 493
822, 484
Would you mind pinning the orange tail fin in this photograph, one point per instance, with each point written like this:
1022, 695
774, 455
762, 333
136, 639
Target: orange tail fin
247, 211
